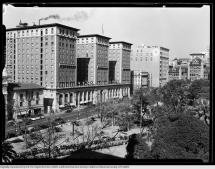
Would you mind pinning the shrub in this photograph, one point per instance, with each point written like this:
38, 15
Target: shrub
23, 132
89, 122
10, 135
58, 129
25, 154
34, 151
60, 120
173, 117
28, 121
34, 136
43, 126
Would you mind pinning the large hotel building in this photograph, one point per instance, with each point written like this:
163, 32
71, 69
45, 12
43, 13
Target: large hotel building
73, 69
45, 55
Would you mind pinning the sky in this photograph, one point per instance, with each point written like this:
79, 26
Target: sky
182, 30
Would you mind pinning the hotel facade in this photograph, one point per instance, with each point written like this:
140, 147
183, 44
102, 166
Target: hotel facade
51, 56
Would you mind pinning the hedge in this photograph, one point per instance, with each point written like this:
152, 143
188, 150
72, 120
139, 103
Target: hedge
97, 144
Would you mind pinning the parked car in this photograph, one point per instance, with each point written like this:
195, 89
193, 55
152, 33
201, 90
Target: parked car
33, 118
31, 129
28, 121
43, 126
42, 117
60, 121
19, 120
68, 111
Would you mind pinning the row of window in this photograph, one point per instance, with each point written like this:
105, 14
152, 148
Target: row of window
67, 32
27, 78
62, 50
33, 32
36, 50
85, 39
142, 59
144, 54
66, 66
66, 45
33, 39
195, 67
66, 84
85, 47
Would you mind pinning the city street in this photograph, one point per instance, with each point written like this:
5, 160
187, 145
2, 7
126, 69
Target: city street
66, 116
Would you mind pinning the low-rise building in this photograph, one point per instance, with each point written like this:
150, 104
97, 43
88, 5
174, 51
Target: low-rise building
174, 72
193, 69
196, 69
140, 80
24, 100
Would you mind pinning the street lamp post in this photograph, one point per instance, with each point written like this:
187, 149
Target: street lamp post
73, 128
141, 109
141, 104
78, 115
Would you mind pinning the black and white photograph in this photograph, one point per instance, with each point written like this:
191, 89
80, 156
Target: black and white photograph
121, 84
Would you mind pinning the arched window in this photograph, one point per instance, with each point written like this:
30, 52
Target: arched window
60, 100
66, 98
71, 97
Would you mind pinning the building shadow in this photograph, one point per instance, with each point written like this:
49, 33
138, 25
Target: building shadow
89, 154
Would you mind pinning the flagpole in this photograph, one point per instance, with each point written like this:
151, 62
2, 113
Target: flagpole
102, 30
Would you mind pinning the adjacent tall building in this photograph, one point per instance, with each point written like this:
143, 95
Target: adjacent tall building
92, 59
151, 59
119, 62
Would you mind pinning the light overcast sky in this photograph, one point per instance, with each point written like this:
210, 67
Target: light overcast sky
182, 30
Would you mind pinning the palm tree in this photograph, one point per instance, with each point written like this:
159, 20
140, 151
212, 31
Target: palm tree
8, 154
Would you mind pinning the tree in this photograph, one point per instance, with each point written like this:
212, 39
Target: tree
182, 137
89, 134
176, 132
8, 154
47, 140
136, 147
124, 117
154, 96
174, 95
201, 110
140, 101
199, 89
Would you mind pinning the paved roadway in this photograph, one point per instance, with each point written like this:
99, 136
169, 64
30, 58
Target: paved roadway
66, 116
